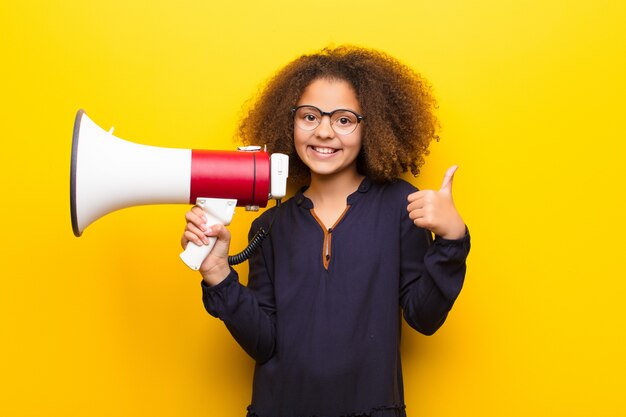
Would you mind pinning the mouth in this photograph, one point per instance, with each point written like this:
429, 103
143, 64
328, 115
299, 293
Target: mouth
324, 150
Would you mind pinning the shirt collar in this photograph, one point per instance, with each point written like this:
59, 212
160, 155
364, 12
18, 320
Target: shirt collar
306, 203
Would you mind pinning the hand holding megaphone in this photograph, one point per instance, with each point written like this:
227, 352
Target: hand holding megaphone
215, 211
214, 238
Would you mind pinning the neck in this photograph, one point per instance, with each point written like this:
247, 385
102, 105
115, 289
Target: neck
328, 188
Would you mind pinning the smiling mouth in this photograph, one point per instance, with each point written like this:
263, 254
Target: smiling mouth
326, 151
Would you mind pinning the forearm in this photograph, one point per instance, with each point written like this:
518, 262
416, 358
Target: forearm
236, 305
428, 297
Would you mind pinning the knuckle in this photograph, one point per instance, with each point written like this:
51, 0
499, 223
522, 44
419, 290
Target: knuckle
431, 196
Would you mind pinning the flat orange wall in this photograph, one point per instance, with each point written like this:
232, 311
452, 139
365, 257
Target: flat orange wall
532, 106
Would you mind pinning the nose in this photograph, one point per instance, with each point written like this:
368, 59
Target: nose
325, 128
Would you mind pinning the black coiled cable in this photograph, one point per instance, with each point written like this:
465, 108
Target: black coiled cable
254, 243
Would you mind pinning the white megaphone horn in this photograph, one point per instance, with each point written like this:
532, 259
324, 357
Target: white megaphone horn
109, 173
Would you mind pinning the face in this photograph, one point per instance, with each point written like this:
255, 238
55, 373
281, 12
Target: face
323, 150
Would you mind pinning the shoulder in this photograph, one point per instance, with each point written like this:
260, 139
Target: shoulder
396, 188
265, 218
401, 186
383, 199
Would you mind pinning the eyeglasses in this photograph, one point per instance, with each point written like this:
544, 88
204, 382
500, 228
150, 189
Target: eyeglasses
342, 121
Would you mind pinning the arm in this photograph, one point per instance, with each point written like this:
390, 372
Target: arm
247, 312
431, 278
432, 272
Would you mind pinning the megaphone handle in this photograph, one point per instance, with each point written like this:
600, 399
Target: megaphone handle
217, 211
194, 255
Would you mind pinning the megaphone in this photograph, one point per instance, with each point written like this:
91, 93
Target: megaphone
109, 173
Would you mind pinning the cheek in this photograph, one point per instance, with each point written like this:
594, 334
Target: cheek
357, 144
299, 143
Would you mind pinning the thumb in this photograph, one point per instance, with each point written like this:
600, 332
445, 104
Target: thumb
446, 185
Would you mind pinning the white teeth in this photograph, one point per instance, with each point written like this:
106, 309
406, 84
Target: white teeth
324, 150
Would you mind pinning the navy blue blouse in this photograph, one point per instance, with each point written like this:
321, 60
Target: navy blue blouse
321, 313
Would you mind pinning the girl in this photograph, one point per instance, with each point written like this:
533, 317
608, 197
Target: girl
348, 252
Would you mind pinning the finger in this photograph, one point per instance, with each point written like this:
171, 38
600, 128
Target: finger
415, 196
446, 185
425, 197
195, 235
198, 211
201, 233
218, 230
422, 223
196, 218
188, 238
220, 250
417, 214
416, 205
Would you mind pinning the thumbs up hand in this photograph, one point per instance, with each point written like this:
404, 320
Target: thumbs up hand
435, 210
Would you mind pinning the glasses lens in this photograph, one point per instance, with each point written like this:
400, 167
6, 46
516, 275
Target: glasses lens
344, 121
307, 117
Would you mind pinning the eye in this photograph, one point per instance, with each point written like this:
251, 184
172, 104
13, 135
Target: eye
344, 119
308, 116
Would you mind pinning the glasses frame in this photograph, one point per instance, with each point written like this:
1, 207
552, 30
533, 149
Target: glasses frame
359, 117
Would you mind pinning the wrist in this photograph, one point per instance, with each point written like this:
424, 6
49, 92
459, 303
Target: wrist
456, 232
215, 275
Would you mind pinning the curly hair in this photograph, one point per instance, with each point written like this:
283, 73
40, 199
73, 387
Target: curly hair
397, 103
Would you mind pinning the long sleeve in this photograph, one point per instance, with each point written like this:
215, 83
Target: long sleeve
432, 276
248, 312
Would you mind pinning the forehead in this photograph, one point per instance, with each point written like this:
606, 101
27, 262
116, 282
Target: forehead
330, 94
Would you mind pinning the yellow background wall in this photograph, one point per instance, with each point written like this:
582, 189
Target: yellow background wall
532, 105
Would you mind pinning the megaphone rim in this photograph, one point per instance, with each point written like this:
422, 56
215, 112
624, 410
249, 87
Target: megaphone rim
75, 138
